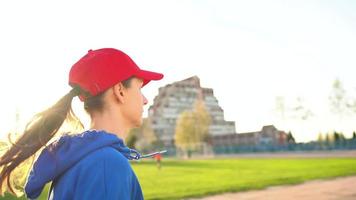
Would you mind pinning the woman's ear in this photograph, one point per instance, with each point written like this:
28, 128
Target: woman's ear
119, 92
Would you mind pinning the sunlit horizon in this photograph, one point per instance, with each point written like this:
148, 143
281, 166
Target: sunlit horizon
249, 53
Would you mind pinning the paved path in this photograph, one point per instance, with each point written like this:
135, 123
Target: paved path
335, 189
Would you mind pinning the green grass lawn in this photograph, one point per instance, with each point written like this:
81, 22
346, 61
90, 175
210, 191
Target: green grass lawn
192, 178
179, 179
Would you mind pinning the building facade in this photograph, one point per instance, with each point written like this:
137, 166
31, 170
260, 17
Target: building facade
177, 97
269, 135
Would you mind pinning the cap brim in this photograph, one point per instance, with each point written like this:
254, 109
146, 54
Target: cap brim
148, 76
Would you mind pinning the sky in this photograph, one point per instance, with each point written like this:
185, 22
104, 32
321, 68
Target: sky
249, 52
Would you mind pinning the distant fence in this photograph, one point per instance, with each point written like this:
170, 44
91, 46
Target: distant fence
312, 146
236, 149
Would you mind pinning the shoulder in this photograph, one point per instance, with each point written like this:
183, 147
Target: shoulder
102, 174
107, 158
105, 163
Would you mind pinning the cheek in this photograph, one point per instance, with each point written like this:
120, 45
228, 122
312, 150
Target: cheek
137, 104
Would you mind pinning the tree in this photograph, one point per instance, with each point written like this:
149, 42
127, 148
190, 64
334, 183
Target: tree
301, 111
329, 138
336, 136
279, 106
341, 103
131, 138
320, 138
297, 111
148, 138
184, 133
202, 121
192, 128
351, 104
290, 138
142, 138
338, 100
354, 135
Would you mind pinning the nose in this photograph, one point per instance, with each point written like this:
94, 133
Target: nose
145, 101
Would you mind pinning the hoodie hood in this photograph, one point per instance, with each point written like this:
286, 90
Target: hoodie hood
60, 156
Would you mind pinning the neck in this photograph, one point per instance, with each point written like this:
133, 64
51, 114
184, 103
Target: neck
110, 122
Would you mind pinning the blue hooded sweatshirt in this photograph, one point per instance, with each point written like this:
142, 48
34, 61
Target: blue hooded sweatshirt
91, 165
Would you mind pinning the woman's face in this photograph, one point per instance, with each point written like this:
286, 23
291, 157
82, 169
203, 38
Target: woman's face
134, 102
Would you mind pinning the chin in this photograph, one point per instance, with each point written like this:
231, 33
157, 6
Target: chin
138, 123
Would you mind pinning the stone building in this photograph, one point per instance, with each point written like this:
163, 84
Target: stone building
177, 97
269, 135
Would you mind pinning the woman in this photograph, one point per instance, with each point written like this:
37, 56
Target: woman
93, 164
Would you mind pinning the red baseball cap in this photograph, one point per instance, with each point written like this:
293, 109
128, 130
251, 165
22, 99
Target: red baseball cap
100, 69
